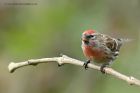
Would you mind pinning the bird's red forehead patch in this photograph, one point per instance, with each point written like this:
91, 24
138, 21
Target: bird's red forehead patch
90, 31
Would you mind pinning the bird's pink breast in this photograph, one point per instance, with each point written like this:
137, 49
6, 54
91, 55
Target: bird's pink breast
93, 54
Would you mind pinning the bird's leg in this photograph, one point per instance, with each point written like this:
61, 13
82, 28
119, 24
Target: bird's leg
86, 64
103, 66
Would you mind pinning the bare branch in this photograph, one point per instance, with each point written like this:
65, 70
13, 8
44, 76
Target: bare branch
67, 60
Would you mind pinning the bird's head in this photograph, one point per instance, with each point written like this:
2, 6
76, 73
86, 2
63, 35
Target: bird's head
88, 35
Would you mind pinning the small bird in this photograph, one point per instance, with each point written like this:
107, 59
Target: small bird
100, 48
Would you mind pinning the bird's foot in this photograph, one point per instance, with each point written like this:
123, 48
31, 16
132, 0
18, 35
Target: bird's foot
86, 64
102, 68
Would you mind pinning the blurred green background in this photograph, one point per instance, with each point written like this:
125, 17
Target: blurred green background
51, 27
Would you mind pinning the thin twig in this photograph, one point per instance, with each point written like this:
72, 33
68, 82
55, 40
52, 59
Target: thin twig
67, 60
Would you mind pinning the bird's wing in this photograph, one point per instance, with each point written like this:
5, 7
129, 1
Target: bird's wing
112, 43
107, 43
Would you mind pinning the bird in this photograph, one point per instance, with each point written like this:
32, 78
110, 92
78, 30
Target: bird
100, 48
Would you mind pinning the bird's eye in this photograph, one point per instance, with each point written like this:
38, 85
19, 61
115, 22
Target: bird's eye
91, 36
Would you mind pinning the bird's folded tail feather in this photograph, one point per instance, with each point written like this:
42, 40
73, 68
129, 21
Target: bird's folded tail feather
125, 40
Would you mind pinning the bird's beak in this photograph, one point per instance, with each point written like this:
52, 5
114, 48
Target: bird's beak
84, 38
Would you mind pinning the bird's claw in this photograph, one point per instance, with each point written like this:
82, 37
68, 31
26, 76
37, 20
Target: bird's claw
86, 64
102, 69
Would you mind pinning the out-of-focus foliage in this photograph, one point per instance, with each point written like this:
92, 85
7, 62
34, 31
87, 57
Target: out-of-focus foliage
51, 27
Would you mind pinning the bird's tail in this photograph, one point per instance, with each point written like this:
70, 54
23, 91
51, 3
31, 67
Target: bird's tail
125, 40
121, 41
